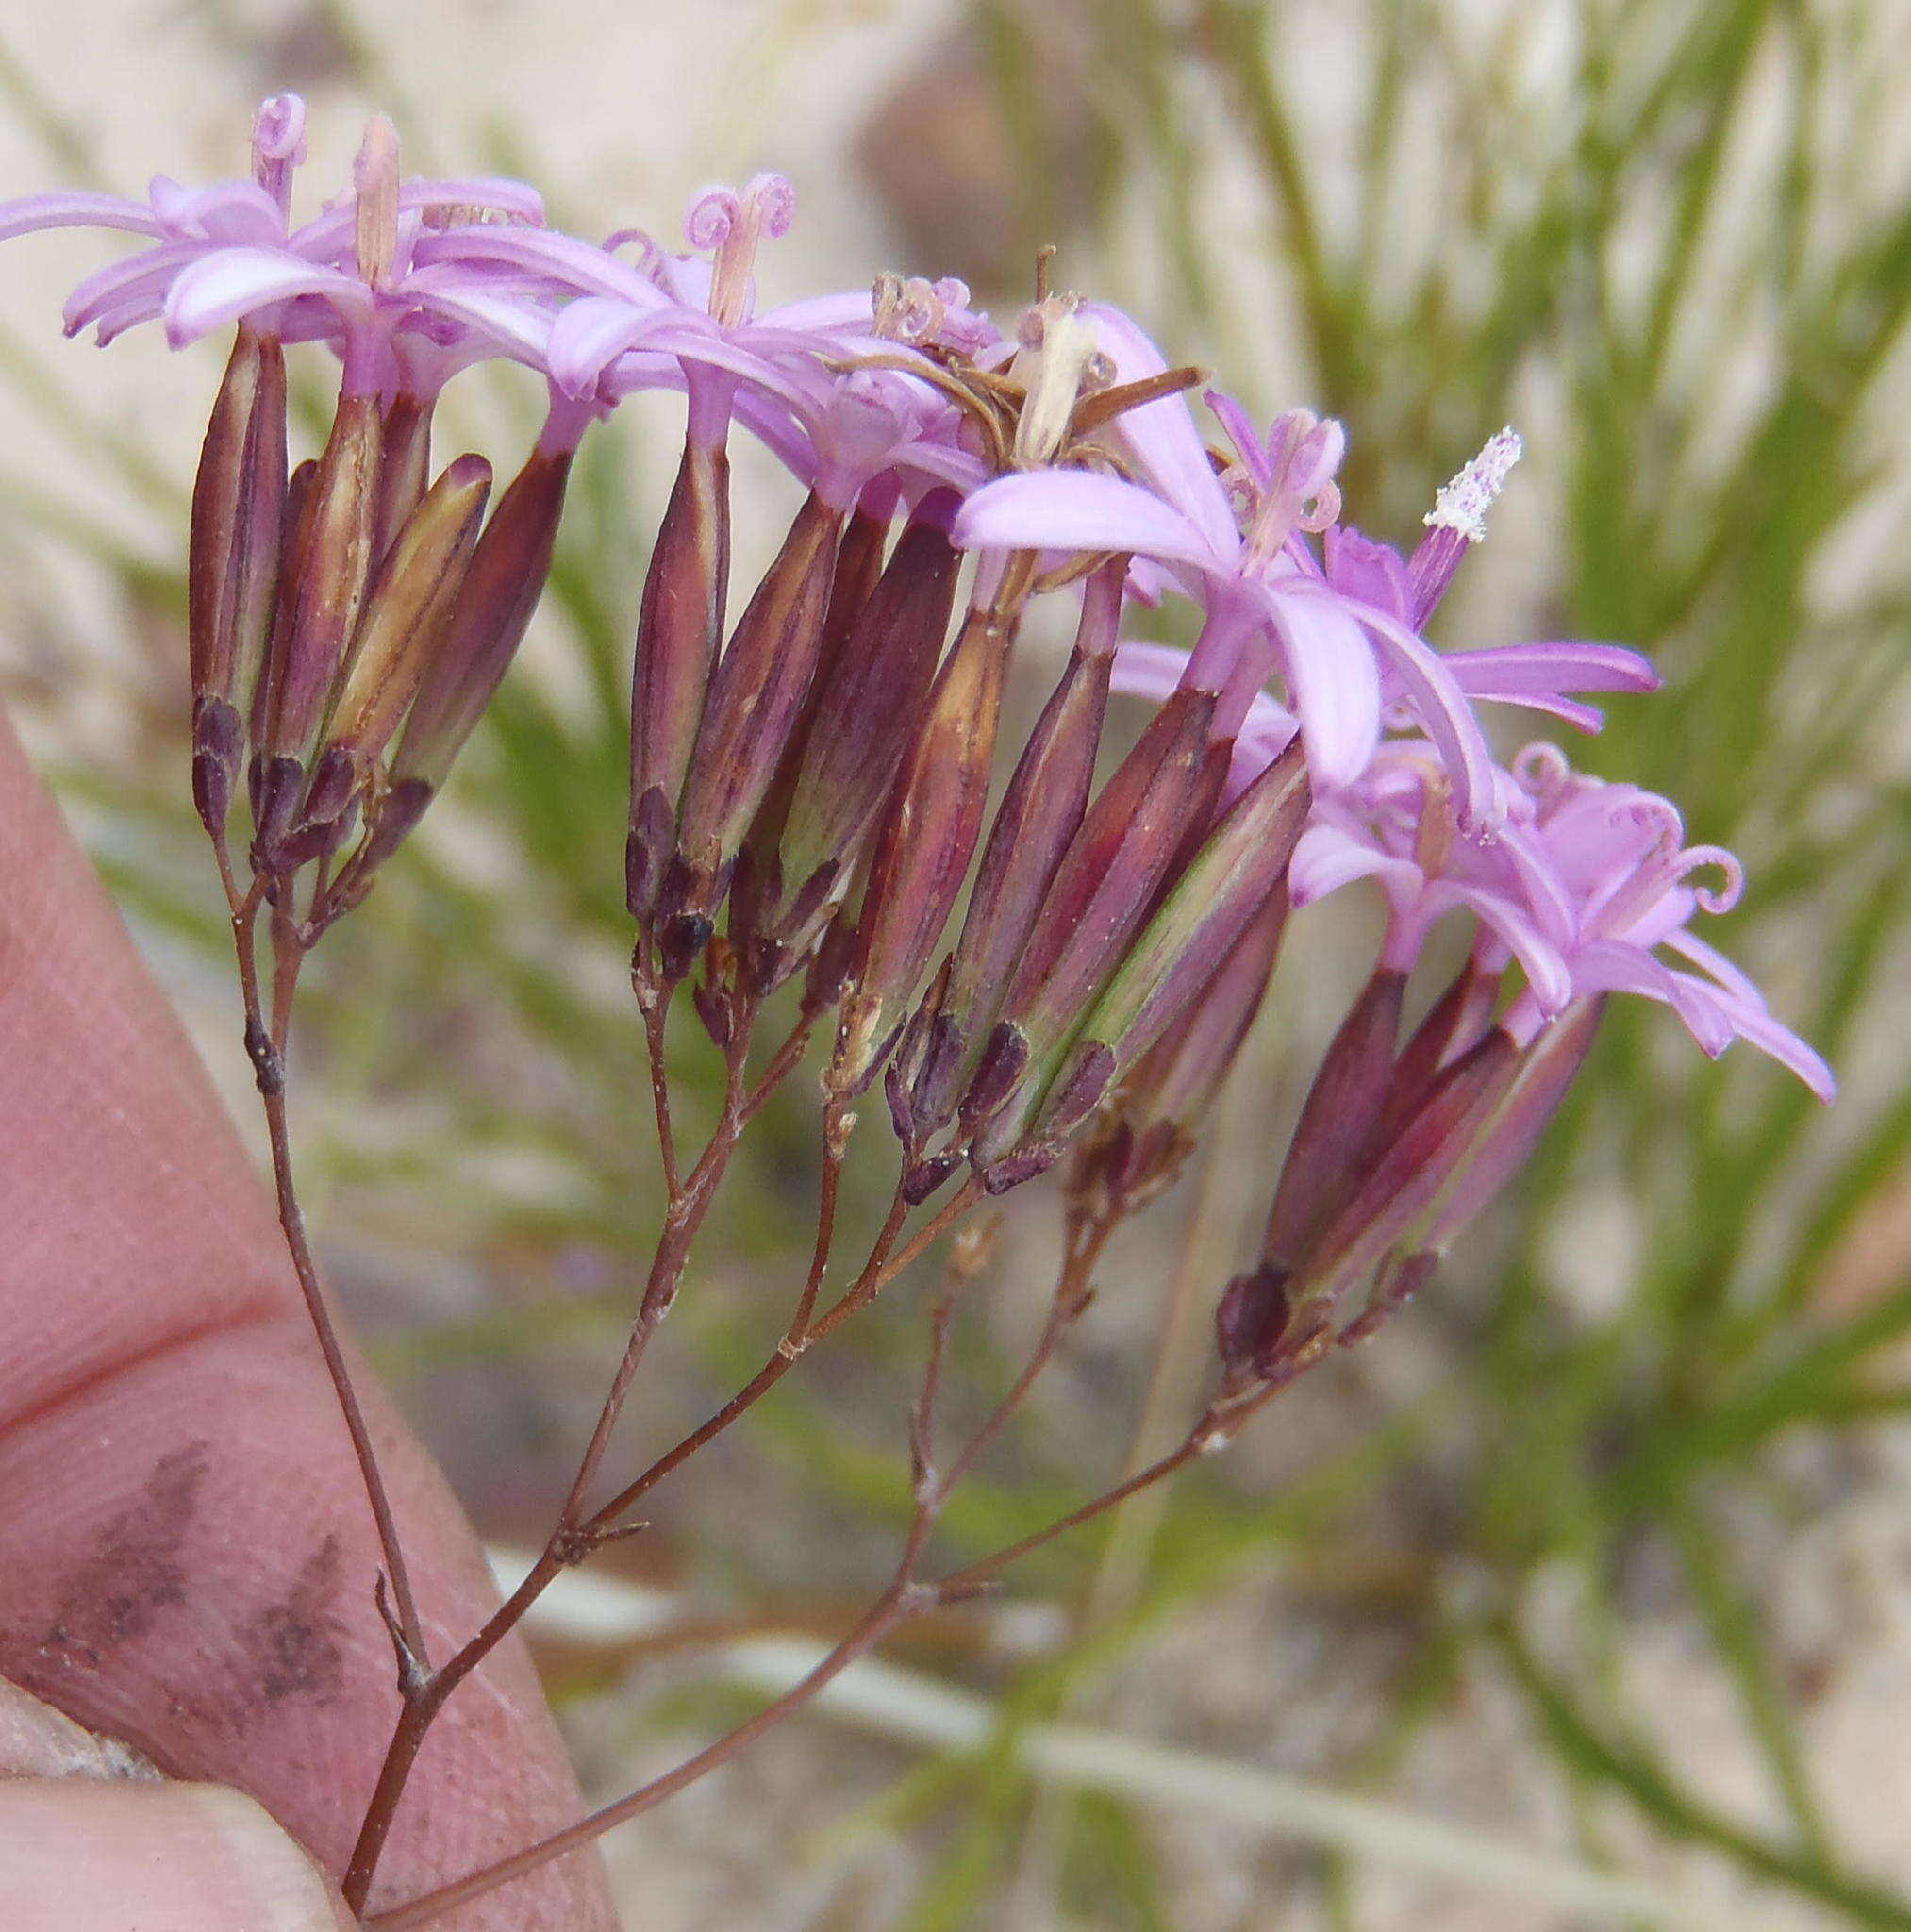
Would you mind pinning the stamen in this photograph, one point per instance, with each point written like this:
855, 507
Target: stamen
1303, 453
1433, 839
907, 311
732, 225
278, 145
1712, 899
375, 176
1461, 504
1542, 769
1057, 350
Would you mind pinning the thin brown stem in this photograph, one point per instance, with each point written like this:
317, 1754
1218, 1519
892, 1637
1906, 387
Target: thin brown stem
781, 1064
899, 1601
573, 1539
794, 1341
653, 1002
903, 1598
871, 1282
1217, 1428
1070, 1297
266, 1047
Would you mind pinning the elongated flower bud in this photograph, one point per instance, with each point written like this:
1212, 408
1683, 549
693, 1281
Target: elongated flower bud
865, 710
233, 564
1278, 1317
778, 908
1239, 870
1178, 1078
406, 470
405, 620
1551, 1065
1162, 1102
1103, 890
1038, 818
333, 571
752, 704
500, 591
1456, 1021
238, 504
1415, 1166
1337, 1119
680, 628
929, 832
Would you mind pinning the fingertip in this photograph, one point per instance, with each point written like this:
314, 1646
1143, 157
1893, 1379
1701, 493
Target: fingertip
83, 1857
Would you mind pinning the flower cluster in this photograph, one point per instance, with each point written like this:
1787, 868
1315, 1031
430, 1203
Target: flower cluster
810, 776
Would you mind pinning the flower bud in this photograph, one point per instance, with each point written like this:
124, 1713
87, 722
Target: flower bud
407, 611
405, 471
1215, 900
237, 506
1337, 1119
754, 701
1038, 816
680, 628
866, 709
1406, 1176
929, 835
1162, 1102
1103, 889
488, 622
330, 574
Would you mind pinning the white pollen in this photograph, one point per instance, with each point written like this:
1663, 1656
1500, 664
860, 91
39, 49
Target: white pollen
1461, 504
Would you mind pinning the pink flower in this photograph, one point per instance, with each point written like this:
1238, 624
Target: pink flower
1586, 885
1342, 636
379, 275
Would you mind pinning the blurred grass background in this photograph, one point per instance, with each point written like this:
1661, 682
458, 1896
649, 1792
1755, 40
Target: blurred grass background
1606, 1545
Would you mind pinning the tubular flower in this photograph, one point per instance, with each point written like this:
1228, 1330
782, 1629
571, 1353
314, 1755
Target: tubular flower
1588, 884
1341, 633
352, 276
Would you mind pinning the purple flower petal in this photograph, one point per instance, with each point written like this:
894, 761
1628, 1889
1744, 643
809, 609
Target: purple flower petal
1076, 510
591, 334
1444, 711
850, 311
31, 212
145, 276
1328, 858
233, 282
1147, 670
1162, 434
1335, 685
1511, 670
566, 261
1546, 971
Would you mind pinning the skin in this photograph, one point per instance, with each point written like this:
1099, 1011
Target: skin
186, 1556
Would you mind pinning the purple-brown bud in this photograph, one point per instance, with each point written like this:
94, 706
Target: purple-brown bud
1103, 890
1038, 818
1264, 1331
407, 611
501, 587
1403, 1178
238, 512
404, 472
679, 629
866, 708
929, 831
330, 577
1337, 1119
754, 701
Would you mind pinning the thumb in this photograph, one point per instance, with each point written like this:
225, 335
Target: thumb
91, 1840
